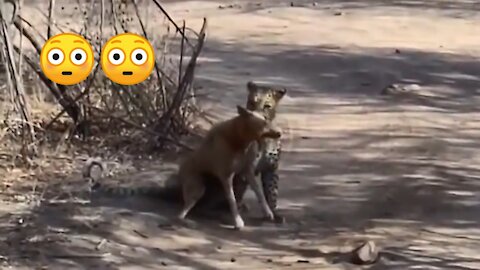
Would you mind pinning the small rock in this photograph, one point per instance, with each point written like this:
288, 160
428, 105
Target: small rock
233, 260
367, 253
338, 13
314, 4
413, 87
164, 263
303, 261
291, 4
20, 198
397, 51
393, 89
269, 260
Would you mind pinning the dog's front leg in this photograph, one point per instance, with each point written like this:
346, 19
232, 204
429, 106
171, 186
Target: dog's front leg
228, 187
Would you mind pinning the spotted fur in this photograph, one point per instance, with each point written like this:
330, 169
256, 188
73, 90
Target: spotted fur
95, 170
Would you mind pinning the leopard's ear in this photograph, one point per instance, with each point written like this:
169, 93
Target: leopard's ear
280, 93
251, 86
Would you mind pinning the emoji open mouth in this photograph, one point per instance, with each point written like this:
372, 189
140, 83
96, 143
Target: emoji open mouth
127, 73
66, 73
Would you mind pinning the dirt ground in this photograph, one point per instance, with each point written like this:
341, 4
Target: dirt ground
399, 169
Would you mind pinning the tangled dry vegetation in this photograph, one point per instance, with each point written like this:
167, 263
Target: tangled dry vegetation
45, 127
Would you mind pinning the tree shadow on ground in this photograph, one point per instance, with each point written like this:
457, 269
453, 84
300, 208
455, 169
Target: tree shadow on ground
449, 81
456, 9
342, 186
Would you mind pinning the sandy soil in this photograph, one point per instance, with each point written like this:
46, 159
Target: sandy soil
397, 169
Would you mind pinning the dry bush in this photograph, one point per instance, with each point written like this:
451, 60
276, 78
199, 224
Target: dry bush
37, 113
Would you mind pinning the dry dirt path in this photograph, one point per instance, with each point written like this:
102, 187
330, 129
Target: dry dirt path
398, 169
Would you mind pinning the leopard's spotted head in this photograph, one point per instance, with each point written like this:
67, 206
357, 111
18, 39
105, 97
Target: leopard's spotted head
264, 98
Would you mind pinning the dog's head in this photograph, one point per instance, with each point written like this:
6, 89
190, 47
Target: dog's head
256, 124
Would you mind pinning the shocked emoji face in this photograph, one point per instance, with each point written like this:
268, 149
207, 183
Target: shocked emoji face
67, 58
127, 59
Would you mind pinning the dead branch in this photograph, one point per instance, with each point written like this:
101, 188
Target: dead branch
83, 92
158, 107
50, 18
173, 22
58, 91
146, 130
187, 78
16, 86
157, 68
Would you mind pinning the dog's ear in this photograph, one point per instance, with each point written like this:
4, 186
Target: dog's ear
280, 93
251, 86
243, 112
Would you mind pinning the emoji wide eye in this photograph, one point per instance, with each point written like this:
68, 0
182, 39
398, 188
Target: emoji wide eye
78, 56
139, 56
55, 56
116, 56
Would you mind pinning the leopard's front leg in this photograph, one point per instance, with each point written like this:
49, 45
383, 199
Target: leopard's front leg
258, 189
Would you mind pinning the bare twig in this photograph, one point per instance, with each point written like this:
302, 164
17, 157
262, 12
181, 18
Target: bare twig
57, 90
181, 57
146, 130
173, 22
140, 234
17, 21
51, 6
31, 26
157, 68
186, 80
19, 65
102, 18
114, 14
82, 94
16, 86
60, 27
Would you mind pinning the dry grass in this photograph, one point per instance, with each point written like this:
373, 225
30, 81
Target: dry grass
48, 127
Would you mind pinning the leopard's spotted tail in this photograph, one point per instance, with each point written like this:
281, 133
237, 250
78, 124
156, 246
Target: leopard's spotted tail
94, 170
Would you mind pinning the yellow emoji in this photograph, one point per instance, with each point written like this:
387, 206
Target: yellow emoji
67, 58
127, 59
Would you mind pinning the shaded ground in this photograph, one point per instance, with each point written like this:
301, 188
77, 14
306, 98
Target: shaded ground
401, 170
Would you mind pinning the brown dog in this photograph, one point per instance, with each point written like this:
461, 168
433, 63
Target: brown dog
222, 153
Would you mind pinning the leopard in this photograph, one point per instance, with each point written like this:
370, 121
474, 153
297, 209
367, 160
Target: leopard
263, 98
